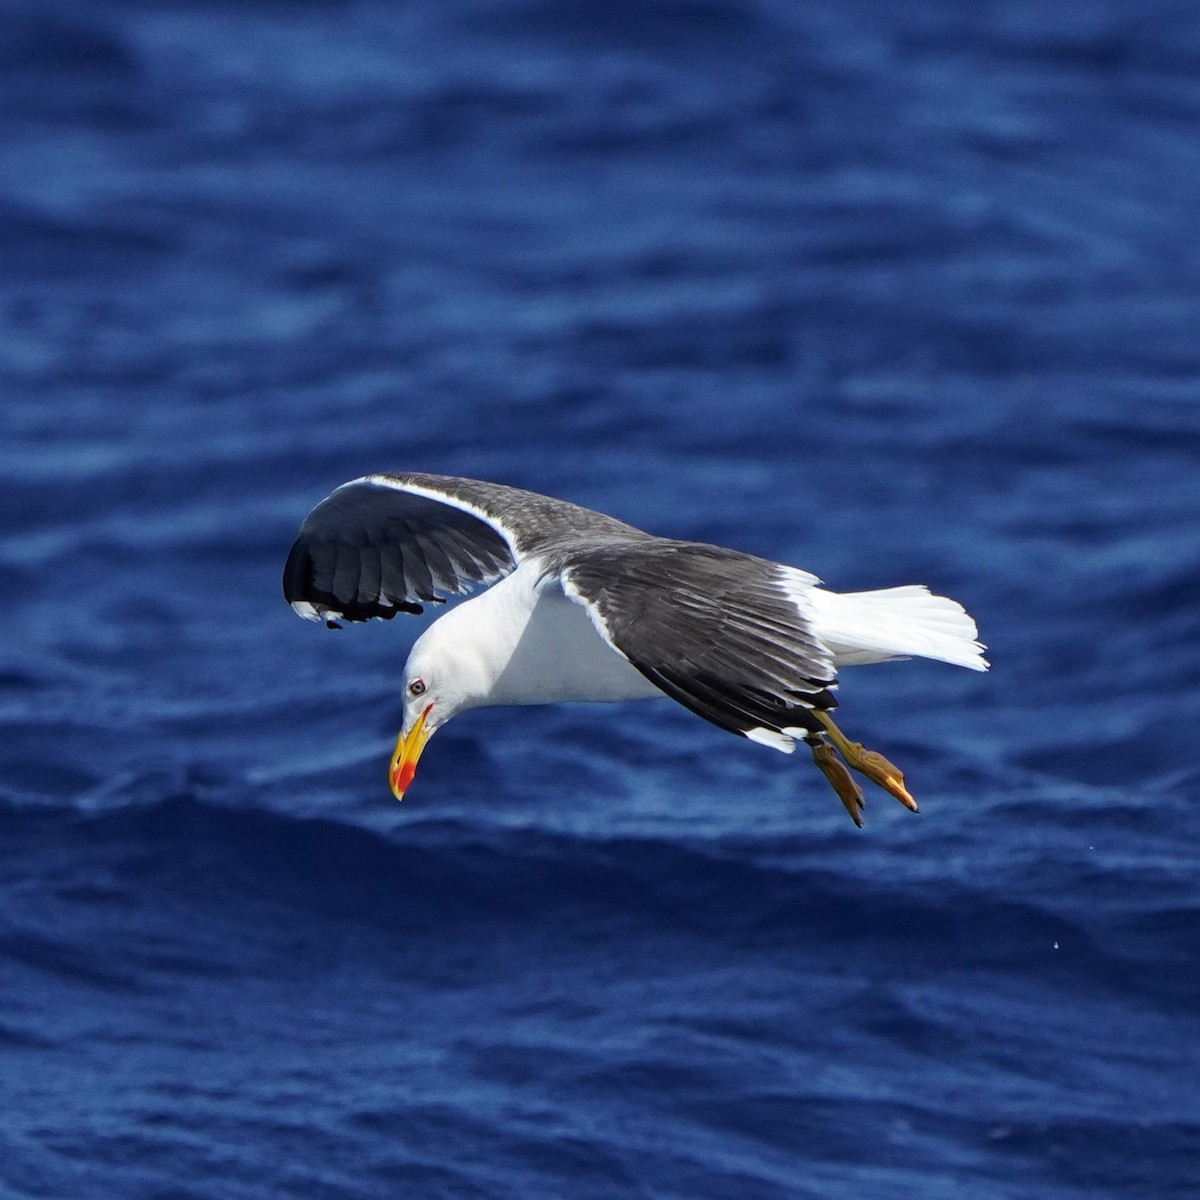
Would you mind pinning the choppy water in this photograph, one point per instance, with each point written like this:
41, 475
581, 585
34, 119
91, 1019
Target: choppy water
894, 293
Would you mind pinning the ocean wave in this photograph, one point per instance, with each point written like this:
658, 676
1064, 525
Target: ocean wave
462, 881
895, 293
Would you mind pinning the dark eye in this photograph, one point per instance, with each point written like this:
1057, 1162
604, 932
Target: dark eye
417, 687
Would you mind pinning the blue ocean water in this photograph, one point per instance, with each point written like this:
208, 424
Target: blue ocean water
894, 293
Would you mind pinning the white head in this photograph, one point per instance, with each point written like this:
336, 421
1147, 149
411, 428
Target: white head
444, 675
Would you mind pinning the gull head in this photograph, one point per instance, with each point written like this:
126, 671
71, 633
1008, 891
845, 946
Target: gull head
443, 677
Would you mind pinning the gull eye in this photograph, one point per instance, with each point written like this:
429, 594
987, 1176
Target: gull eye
417, 687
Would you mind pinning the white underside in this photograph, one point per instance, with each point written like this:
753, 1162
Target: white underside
526, 641
560, 655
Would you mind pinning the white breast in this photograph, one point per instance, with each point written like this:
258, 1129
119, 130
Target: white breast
547, 649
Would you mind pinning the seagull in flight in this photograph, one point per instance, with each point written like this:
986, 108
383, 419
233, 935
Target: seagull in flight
583, 607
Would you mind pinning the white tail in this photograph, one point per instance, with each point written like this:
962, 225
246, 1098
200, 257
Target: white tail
899, 622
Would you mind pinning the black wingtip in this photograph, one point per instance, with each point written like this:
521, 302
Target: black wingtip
299, 585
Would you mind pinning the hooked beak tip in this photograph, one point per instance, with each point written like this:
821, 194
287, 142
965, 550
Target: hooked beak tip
400, 777
404, 758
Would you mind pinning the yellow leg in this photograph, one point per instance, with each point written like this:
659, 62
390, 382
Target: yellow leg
842, 782
870, 763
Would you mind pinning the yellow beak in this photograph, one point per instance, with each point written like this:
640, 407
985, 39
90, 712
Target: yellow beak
404, 758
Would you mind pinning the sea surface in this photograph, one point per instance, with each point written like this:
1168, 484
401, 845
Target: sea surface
892, 292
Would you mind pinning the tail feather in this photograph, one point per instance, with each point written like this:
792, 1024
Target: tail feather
899, 622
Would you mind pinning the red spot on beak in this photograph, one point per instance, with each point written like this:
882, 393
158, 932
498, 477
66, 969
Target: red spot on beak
402, 775
408, 749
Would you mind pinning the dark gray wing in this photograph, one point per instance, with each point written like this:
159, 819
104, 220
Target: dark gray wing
723, 633
384, 543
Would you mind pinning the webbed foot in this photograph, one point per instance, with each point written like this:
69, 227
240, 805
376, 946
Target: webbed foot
870, 763
842, 782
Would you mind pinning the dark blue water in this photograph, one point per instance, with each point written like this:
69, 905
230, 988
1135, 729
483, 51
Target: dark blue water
892, 292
